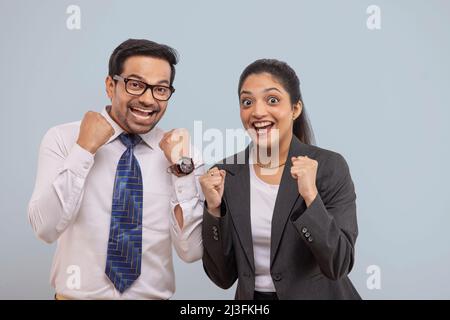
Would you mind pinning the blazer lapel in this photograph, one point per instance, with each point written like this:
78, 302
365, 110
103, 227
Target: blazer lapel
287, 197
237, 195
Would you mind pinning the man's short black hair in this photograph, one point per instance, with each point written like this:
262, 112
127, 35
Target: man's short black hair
141, 47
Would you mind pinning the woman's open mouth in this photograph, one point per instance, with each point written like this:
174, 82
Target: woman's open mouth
262, 127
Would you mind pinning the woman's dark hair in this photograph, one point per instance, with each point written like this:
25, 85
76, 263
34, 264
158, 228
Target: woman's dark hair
290, 82
141, 47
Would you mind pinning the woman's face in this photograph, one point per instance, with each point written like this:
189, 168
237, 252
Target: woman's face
266, 110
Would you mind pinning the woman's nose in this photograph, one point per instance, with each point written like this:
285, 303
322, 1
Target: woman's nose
259, 110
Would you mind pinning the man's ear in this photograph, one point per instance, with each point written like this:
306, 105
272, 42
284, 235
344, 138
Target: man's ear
297, 110
109, 86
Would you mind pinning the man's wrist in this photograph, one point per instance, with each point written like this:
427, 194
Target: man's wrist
87, 147
183, 167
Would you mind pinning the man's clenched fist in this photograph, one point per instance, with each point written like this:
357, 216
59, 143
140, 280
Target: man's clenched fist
95, 131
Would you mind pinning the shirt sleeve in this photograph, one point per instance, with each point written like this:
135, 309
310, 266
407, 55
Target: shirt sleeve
187, 193
59, 186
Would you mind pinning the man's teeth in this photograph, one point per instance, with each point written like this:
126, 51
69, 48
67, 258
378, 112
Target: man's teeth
141, 113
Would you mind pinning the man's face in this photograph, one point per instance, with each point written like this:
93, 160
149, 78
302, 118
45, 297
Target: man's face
138, 114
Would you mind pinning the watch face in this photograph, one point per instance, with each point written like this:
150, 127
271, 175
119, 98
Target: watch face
186, 165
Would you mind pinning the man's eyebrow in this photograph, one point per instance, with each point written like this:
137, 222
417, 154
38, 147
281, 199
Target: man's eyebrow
135, 76
163, 82
143, 80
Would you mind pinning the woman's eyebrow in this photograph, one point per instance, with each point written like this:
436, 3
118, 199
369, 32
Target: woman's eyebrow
265, 90
273, 88
245, 92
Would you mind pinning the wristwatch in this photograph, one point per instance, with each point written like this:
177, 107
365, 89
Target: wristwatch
182, 167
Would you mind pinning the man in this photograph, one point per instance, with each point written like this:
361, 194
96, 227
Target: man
116, 192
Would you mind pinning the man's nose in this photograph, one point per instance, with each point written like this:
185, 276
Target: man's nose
147, 97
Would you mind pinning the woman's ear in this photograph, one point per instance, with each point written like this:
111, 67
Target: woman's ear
109, 86
297, 110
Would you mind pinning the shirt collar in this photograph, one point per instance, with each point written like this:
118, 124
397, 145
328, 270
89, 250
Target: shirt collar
150, 138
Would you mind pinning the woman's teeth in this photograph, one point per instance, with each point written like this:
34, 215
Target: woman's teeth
262, 127
141, 113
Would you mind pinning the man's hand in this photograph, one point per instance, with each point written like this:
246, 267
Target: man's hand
175, 144
212, 183
95, 131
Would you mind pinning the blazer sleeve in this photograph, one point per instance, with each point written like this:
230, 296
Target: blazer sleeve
328, 226
218, 254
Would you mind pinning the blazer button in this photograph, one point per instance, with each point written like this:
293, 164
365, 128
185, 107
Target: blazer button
216, 237
214, 228
246, 274
304, 230
307, 234
310, 239
277, 277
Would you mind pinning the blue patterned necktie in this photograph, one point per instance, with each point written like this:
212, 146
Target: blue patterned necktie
123, 263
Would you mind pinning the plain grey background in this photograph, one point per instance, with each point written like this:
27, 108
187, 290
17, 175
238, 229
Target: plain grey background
379, 97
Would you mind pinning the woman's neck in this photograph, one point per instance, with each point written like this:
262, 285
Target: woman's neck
272, 156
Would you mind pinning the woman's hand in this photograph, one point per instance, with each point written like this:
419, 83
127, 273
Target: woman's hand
304, 170
212, 183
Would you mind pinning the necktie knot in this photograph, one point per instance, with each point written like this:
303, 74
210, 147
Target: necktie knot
130, 140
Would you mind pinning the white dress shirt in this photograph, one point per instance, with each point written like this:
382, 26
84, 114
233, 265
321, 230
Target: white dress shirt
262, 203
72, 201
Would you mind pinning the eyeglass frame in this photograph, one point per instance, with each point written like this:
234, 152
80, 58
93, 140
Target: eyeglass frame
151, 86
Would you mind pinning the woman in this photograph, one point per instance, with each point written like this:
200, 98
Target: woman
280, 216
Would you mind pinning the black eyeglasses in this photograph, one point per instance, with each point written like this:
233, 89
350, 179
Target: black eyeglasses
138, 88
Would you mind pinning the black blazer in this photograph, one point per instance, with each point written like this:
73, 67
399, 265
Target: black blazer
312, 249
